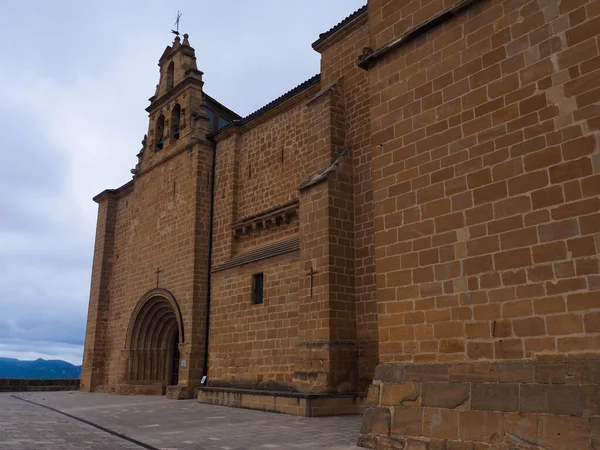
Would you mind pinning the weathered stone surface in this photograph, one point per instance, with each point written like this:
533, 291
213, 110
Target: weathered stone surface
426, 372
391, 443
495, 396
417, 444
583, 372
398, 394
474, 372
595, 432
391, 373
481, 426
376, 421
440, 423
373, 395
550, 373
444, 395
407, 421
367, 441
563, 432
521, 428
591, 399
553, 399
516, 372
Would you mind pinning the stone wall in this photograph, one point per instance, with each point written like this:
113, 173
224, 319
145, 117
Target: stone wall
486, 182
324, 305
525, 405
258, 170
338, 64
254, 345
38, 384
157, 222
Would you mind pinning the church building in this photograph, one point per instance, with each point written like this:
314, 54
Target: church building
413, 233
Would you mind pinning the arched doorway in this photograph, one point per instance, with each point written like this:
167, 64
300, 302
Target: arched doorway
174, 379
153, 337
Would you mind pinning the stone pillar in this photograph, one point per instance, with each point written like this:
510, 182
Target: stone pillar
93, 366
327, 351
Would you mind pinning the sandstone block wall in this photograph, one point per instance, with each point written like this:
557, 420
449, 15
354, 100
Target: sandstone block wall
259, 168
486, 181
504, 405
338, 65
255, 345
154, 229
486, 192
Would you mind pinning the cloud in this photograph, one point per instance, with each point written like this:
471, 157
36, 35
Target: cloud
72, 95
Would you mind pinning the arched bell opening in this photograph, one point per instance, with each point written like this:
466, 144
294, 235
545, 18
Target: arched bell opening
170, 75
153, 337
175, 121
159, 133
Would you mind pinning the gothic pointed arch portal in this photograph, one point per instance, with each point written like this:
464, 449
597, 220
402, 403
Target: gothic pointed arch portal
154, 334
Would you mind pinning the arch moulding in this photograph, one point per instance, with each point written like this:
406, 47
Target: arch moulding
150, 296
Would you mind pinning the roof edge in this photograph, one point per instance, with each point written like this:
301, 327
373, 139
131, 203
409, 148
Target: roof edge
335, 29
212, 99
109, 192
315, 79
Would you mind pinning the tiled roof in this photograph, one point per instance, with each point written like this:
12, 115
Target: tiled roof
340, 25
279, 100
257, 254
212, 99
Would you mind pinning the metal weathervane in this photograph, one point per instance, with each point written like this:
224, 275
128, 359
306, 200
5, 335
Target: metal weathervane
176, 30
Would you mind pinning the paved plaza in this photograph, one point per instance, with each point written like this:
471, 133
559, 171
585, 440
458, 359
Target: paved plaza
75, 420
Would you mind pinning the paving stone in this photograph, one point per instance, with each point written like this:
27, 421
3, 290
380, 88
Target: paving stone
161, 423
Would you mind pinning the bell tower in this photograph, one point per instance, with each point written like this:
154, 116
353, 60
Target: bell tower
148, 313
171, 234
177, 108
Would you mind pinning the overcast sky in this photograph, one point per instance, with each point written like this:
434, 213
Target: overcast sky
75, 78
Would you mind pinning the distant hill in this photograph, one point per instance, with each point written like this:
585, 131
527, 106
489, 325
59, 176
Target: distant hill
40, 368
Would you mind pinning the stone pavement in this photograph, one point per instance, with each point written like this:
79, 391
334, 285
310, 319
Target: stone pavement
157, 423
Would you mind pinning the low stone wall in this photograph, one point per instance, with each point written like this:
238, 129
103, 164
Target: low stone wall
38, 384
504, 405
308, 405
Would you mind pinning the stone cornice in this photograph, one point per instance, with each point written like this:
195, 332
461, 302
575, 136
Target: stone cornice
118, 192
265, 219
370, 55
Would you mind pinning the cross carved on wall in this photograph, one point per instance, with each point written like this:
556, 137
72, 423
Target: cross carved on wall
311, 273
158, 271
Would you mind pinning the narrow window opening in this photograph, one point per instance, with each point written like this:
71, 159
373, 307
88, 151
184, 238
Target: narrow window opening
211, 119
222, 122
282, 155
249, 170
170, 75
257, 288
175, 121
159, 132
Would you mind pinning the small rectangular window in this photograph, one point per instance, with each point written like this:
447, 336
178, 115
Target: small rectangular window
257, 289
